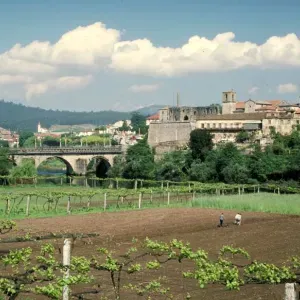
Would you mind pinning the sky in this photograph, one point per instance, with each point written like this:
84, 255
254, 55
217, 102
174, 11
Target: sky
126, 54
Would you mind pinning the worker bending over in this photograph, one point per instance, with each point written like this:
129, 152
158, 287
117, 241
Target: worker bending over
238, 219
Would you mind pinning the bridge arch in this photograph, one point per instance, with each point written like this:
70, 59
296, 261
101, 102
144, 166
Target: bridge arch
99, 165
68, 164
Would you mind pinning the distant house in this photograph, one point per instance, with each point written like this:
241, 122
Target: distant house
10, 137
40, 136
86, 133
153, 118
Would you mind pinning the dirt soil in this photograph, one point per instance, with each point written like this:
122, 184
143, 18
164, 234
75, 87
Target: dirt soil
267, 237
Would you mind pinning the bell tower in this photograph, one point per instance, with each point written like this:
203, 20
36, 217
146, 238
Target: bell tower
228, 102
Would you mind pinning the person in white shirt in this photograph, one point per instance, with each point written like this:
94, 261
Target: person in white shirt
238, 219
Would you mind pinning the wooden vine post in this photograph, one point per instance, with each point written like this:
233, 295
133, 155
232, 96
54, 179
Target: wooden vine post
27, 205
168, 198
135, 184
162, 185
290, 292
140, 200
66, 263
151, 196
69, 205
239, 190
7, 205
105, 201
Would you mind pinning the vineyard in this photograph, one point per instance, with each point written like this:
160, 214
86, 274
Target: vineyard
121, 250
158, 262
117, 194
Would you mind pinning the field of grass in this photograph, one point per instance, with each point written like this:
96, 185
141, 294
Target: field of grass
45, 206
262, 202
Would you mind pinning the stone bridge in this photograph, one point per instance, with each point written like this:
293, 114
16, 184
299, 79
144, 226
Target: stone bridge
76, 159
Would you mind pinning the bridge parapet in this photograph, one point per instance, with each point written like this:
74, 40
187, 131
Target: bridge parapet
118, 149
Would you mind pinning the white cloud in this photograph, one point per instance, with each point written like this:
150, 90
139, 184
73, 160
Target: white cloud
86, 49
144, 88
61, 83
83, 46
253, 90
287, 88
14, 79
200, 54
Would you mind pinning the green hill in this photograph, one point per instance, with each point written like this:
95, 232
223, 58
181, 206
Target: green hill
20, 117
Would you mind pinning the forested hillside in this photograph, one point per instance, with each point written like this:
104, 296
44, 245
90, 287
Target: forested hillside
16, 116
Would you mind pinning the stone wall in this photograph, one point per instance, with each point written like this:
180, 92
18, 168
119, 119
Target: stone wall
162, 148
178, 132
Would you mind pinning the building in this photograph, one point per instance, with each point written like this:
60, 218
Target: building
256, 117
153, 118
10, 137
40, 129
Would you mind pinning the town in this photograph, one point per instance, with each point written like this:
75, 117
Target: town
150, 150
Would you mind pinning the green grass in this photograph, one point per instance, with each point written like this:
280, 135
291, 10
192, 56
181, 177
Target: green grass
262, 202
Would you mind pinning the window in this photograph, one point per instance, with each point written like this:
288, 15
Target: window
220, 125
195, 113
208, 125
185, 118
202, 125
269, 121
214, 125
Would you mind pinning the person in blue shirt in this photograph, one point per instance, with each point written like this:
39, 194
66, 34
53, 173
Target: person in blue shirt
221, 220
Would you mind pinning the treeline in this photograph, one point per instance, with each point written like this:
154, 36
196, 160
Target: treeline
17, 116
224, 163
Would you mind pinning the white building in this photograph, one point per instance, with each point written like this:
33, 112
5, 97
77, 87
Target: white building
40, 129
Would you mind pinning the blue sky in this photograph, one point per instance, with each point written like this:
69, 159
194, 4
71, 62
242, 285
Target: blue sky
143, 75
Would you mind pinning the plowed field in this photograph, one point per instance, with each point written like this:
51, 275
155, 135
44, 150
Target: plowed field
267, 237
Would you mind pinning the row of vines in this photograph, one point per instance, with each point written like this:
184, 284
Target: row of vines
137, 271
38, 201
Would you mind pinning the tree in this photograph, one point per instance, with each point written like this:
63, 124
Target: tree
51, 141
138, 123
4, 144
5, 163
117, 169
235, 173
173, 166
203, 171
30, 142
124, 127
26, 169
23, 136
200, 143
242, 137
139, 161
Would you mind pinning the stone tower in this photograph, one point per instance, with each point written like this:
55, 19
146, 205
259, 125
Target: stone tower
228, 102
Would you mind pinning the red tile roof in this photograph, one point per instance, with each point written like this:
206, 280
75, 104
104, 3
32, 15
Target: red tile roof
154, 117
240, 105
